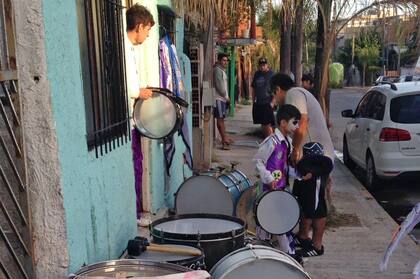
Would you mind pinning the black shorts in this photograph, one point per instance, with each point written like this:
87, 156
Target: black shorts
220, 109
305, 194
263, 114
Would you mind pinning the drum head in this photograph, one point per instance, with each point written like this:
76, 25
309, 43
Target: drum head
277, 212
203, 194
129, 269
200, 226
156, 117
245, 207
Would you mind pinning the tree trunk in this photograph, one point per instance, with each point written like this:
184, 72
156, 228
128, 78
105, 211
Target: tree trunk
286, 42
298, 43
364, 75
319, 52
324, 81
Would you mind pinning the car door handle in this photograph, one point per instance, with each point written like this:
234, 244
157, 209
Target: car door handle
368, 129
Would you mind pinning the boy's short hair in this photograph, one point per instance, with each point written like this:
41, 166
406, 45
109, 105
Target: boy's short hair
308, 77
222, 55
287, 112
138, 14
283, 81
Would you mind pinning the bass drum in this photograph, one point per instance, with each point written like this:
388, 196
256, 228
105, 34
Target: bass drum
277, 212
192, 262
217, 235
159, 116
128, 269
211, 194
245, 207
256, 261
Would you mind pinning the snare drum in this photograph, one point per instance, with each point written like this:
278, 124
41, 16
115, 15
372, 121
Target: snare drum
217, 235
128, 269
159, 116
277, 212
193, 262
255, 261
210, 194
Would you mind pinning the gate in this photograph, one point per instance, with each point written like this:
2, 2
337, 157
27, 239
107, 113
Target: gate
15, 248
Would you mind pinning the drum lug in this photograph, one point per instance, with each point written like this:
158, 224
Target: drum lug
233, 238
198, 239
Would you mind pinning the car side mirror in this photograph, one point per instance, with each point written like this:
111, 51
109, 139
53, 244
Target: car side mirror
348, 113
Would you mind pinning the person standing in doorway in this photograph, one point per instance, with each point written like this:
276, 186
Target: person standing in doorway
139, 22
312, 128
220, 82
262, 111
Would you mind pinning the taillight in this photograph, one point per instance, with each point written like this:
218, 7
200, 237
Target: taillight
392, 134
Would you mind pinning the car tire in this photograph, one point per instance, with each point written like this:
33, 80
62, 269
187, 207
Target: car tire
346, 156
371, 179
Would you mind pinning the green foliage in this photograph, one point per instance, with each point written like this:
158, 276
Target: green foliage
336, 75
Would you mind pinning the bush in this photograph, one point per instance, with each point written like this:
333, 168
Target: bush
336, 73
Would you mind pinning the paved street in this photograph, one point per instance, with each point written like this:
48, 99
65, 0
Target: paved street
359, 229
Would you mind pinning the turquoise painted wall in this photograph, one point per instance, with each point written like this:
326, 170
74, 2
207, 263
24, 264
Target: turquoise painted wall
99, 196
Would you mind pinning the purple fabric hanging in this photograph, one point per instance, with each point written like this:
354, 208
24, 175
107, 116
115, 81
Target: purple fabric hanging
138, 169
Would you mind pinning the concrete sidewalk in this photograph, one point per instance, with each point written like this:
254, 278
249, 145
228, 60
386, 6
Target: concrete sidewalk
359, 229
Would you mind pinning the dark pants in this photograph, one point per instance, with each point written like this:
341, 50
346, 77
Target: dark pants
138, 168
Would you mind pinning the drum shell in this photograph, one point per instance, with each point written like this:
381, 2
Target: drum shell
193, 262
251, 254
214, 245
145, 268
236, 182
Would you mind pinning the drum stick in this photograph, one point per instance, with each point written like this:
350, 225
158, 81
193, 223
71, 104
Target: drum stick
175, 250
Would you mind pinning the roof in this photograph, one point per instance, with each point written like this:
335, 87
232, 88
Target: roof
402, 88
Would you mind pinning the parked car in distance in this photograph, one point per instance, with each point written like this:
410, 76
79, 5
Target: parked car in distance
406, 78
381, 79
383, 134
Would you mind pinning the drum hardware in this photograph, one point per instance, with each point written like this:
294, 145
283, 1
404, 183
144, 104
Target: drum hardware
139, 245
252, 251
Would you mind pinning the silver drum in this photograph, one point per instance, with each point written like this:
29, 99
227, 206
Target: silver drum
256, 261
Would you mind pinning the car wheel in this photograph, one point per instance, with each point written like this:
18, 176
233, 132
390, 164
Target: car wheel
371, 179
346, 157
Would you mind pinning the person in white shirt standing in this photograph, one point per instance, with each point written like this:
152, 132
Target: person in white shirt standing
139, 22
221, 96
312, 128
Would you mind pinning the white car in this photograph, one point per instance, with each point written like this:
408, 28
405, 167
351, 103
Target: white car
383, 135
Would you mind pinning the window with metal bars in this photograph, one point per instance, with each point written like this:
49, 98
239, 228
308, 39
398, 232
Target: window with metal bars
101, 31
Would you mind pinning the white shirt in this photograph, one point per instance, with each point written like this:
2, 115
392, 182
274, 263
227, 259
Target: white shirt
317, 126
133, 80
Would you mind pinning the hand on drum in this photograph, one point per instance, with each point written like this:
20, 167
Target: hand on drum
273, 185
145, 93
296, 156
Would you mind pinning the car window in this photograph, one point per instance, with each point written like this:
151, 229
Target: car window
406, 109
361, 110
376, 106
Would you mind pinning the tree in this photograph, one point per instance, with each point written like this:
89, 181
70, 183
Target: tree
368, 56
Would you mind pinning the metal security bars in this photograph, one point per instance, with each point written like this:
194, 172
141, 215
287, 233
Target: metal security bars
15, 253
107, 114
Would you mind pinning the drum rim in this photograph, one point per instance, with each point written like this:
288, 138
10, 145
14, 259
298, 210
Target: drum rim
295, 264
257, 202
128, 262
179, 117
193, 237
212, 177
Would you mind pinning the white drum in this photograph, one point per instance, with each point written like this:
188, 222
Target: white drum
256, 261
277, 212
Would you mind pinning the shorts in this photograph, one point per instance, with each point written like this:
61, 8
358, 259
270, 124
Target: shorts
305, 194
263, 114
220, 109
